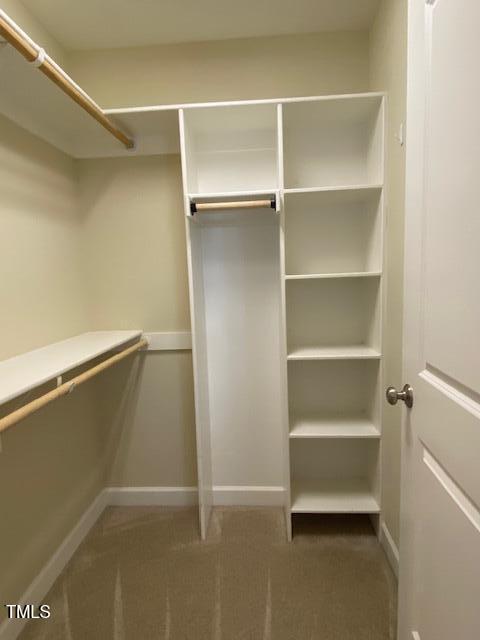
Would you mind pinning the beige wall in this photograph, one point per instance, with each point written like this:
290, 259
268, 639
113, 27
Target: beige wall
388, 41
133, 238
134, 243
50, 467
225, 70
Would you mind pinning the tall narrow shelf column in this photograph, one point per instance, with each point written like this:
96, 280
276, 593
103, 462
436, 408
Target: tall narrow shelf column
333, 291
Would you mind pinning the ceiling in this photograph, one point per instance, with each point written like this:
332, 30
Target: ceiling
104, 24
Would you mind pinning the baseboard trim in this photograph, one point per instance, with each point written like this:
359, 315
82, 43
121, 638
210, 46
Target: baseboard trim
41, 585
151, 496
390, 548
242, 496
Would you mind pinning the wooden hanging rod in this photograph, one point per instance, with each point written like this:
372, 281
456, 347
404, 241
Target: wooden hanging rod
232, 204
20, 414
12, 33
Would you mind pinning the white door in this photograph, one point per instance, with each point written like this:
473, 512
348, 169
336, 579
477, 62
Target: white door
440, 534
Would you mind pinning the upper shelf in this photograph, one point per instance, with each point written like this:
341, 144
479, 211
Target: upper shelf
33, 102
29, 370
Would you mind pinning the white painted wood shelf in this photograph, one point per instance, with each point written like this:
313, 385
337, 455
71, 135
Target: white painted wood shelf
353, 352
23, 373
328, 189
326, 276
233, 194
333, 496
332, 427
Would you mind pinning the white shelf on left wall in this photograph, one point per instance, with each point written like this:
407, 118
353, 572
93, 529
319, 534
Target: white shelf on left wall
29, 370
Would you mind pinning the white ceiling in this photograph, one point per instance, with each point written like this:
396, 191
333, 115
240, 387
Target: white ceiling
100, 24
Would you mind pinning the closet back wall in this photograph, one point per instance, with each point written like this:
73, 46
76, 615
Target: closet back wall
242, 69
134, 222
136, 275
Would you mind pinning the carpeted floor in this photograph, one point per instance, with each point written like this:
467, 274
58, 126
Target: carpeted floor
143, 574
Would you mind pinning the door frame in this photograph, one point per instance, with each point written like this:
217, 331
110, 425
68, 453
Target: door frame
413, 266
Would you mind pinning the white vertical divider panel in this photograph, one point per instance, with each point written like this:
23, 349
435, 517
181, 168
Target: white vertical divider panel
199, 345
377, 474
283, 328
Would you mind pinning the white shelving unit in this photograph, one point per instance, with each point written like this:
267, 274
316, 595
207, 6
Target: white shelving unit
333, 234
23, 373
287, 306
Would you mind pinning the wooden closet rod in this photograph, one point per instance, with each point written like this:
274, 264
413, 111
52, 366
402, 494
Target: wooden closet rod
14, 417
233, 204
12, 33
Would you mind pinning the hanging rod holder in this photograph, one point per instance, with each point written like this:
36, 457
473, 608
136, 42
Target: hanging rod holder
67, 387
195, 207
37, 56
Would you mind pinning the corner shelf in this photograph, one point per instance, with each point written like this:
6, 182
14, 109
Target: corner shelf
25, 372
333, 496
333, 427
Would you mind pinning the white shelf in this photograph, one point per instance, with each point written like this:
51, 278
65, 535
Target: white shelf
323, 276
333, 231
333, 427
333, 496
328, 189
353, 352
335, 143
231, 149
233, 194
29, 370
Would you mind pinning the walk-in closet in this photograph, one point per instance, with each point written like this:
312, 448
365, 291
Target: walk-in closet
205, 320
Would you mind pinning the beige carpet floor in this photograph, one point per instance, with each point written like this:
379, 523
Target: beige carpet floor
143, 574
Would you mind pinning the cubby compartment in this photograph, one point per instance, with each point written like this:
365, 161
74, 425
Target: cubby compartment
333, 232
338, 399
333, 142
231, 149
333, 318
334, 476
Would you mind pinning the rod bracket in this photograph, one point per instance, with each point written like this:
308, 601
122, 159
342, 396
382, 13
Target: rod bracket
40, 59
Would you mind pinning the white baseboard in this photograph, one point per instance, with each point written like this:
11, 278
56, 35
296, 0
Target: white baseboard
248, 496
390, 548
41, 585
151, 496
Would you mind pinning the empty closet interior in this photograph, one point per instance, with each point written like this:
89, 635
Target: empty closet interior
194, 301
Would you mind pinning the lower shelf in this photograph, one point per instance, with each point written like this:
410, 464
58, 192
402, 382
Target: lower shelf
333, 496
333, 427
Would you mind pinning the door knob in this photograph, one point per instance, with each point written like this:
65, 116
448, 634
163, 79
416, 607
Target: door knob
406, 394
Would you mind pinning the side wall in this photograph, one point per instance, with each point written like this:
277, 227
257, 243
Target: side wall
388, 41
50, 467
